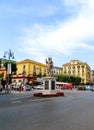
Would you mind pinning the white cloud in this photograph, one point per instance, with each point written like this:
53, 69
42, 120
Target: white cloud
41, 41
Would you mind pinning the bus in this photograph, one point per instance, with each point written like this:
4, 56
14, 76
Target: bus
63, 85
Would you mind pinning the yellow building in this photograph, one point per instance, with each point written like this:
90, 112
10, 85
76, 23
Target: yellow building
4, 72
78, 68
32, 68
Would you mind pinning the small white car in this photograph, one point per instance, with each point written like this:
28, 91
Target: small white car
40, 87
88, 87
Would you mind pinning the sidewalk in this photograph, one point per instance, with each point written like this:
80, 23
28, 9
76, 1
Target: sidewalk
14, 91
3, 92
22, 92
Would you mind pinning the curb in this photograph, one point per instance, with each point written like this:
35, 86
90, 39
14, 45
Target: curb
4, 93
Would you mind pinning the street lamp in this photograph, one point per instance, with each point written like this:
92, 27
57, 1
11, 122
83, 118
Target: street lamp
9, 54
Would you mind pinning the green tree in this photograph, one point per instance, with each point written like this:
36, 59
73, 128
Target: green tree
75, 80
40, 74
1, 76
34, 73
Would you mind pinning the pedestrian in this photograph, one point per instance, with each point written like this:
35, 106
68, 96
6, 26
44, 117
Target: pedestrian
6, 86
32, 87
1, 87
20, 88
9, 88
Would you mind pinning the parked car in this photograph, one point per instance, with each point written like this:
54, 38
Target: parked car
15, 87
40, 87
92, 89
88, 87
81, 88
28, 87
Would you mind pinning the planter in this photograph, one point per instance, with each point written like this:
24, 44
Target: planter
49, 95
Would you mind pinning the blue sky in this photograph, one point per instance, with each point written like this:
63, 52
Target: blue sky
37, 29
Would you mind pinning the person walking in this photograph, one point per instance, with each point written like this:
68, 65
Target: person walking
1, 87
6, 88
20, 88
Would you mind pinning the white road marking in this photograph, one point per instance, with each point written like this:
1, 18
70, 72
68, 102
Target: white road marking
16, 102
21, 97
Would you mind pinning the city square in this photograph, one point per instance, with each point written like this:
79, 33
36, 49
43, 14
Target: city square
46, 65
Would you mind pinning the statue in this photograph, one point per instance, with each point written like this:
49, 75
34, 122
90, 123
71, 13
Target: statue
49, 63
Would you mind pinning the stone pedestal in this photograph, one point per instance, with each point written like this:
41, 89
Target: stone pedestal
49, 85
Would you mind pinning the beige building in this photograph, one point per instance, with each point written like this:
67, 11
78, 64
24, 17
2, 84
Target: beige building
78, 68
57, 70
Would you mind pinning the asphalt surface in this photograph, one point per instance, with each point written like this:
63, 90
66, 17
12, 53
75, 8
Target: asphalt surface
73, 112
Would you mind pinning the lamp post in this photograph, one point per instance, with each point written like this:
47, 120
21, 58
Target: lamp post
9, 54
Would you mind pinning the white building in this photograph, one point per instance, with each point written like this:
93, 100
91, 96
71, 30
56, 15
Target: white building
57, 70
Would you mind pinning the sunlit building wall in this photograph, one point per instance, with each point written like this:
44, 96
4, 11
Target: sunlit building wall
30, 67
57, 70
78, 68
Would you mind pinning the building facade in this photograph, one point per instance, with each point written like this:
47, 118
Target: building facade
28, 71
78, 68
4, 72
30, 67
92, 77
57, 70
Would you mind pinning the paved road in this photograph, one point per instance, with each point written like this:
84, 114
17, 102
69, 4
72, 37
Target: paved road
73, 112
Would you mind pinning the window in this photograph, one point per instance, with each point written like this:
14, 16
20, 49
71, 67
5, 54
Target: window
24, 69
40, 69
19, 81
82, 66
82, 80
34, 68
37, 68
44, 70
73, 67
82, 74
64, 69
69, 68
78, 67
14, 80
23, 66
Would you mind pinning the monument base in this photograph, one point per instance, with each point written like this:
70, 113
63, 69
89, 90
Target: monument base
49, 85
57, 94
49, 92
